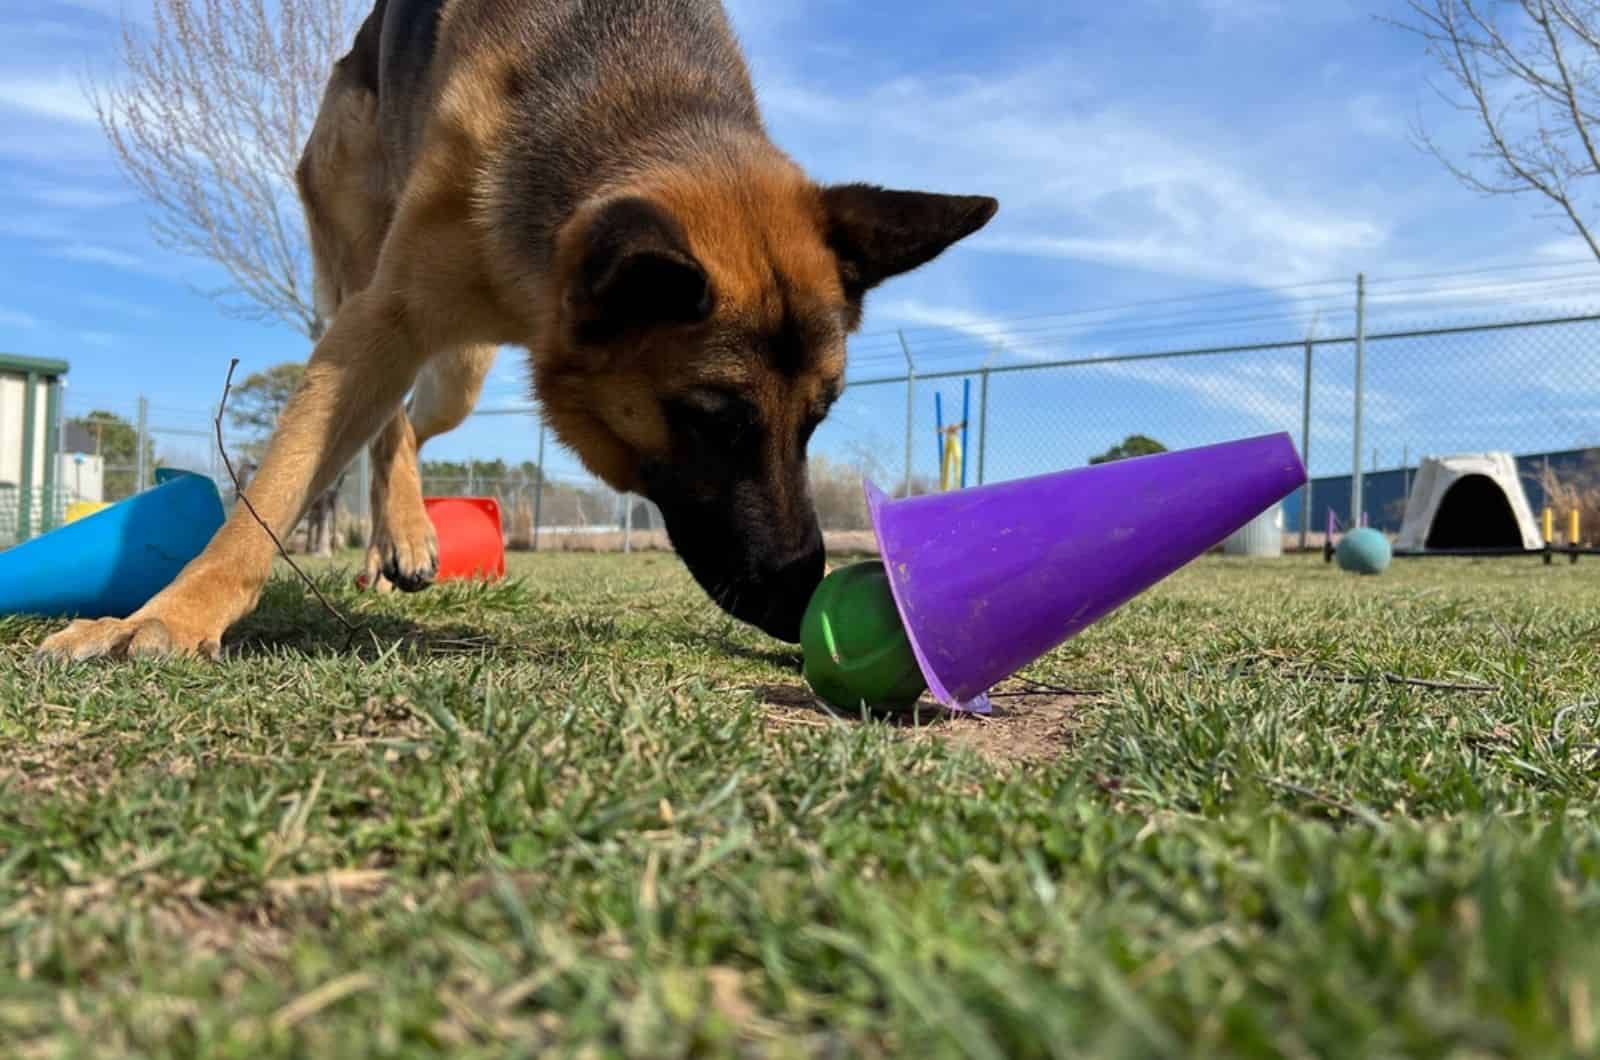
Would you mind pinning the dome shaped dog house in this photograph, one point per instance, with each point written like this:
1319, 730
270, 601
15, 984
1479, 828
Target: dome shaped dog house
1468, 502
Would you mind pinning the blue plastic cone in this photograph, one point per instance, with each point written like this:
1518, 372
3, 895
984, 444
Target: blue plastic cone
111, 563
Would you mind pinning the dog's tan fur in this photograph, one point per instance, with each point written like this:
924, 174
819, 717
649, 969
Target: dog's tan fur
423, 272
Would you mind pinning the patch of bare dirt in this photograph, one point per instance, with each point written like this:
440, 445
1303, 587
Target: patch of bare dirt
1026, 728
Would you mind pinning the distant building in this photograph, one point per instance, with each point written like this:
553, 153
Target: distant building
82, 478
80, 469
30, 417
79, 437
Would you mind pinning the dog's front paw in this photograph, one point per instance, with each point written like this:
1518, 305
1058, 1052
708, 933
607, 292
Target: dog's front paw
136, 637
404, 553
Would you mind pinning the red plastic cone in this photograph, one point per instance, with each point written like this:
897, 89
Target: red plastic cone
471, 543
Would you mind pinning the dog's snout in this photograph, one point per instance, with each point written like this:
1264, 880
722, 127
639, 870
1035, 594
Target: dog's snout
788, 592
757, 567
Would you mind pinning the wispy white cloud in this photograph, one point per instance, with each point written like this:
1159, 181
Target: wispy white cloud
1083, 177
1376, 116
510, 373
987, 332
121, 10
35, 225
1256, 395
94, 254
15, 318
49, 31
756, 21
99, 338
1267, 394
1232, 11
1565, 249
1397, 305
59, 96
70, 197
55, 145
109, 304
1310, 257
47, 122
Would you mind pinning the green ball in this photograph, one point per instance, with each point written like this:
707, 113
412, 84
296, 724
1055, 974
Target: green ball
1364, 551
856, 648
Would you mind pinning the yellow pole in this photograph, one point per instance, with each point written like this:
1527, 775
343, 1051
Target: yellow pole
950, 468
1574, 524
1549, 526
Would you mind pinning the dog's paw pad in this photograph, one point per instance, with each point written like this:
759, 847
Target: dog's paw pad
415, 576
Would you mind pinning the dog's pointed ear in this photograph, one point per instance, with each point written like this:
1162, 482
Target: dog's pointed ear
879, 233
636, 270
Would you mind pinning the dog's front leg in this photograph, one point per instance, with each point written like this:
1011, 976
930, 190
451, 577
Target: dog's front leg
356, 377
403, 550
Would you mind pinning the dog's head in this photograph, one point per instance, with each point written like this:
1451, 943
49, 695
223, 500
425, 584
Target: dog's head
701, 341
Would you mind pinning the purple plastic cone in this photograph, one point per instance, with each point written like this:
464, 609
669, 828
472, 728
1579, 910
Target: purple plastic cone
989, 579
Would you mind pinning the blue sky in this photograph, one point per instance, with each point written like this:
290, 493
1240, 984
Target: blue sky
1142, 150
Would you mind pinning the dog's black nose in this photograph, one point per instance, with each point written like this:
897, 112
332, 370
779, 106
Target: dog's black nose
788, 592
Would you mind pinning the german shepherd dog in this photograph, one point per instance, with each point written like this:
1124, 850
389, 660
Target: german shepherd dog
590, 180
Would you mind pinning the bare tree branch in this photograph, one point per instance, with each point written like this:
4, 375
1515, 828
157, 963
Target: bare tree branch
208, 119
1527, 72
1570, 91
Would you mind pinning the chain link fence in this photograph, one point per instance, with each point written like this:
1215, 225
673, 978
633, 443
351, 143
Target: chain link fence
1529, 387
559, 513
1022, 407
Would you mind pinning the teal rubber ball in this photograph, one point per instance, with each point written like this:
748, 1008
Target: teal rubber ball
1364, 551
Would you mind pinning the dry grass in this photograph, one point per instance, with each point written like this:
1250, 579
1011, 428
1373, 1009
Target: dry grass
1575, 490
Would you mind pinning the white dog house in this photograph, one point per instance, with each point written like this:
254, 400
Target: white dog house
1466, 502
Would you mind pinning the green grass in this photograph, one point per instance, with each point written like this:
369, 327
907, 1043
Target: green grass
582, 814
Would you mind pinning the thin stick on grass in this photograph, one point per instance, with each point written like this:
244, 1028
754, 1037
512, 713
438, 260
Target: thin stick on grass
238, 489
1401, 679
309, 1004
1349, 809
1040, 688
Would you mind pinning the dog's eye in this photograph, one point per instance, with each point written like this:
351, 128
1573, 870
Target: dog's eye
714, 412
819, 412
716, 404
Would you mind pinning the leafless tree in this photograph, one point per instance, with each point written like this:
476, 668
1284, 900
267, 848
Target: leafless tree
208, 118
1527, 72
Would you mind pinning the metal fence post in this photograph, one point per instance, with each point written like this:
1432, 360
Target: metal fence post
538, 489
52, 508
627, 524
1305, 451
1361, 367
140, 470
364, 485
983, 422
30, 410
911, 396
